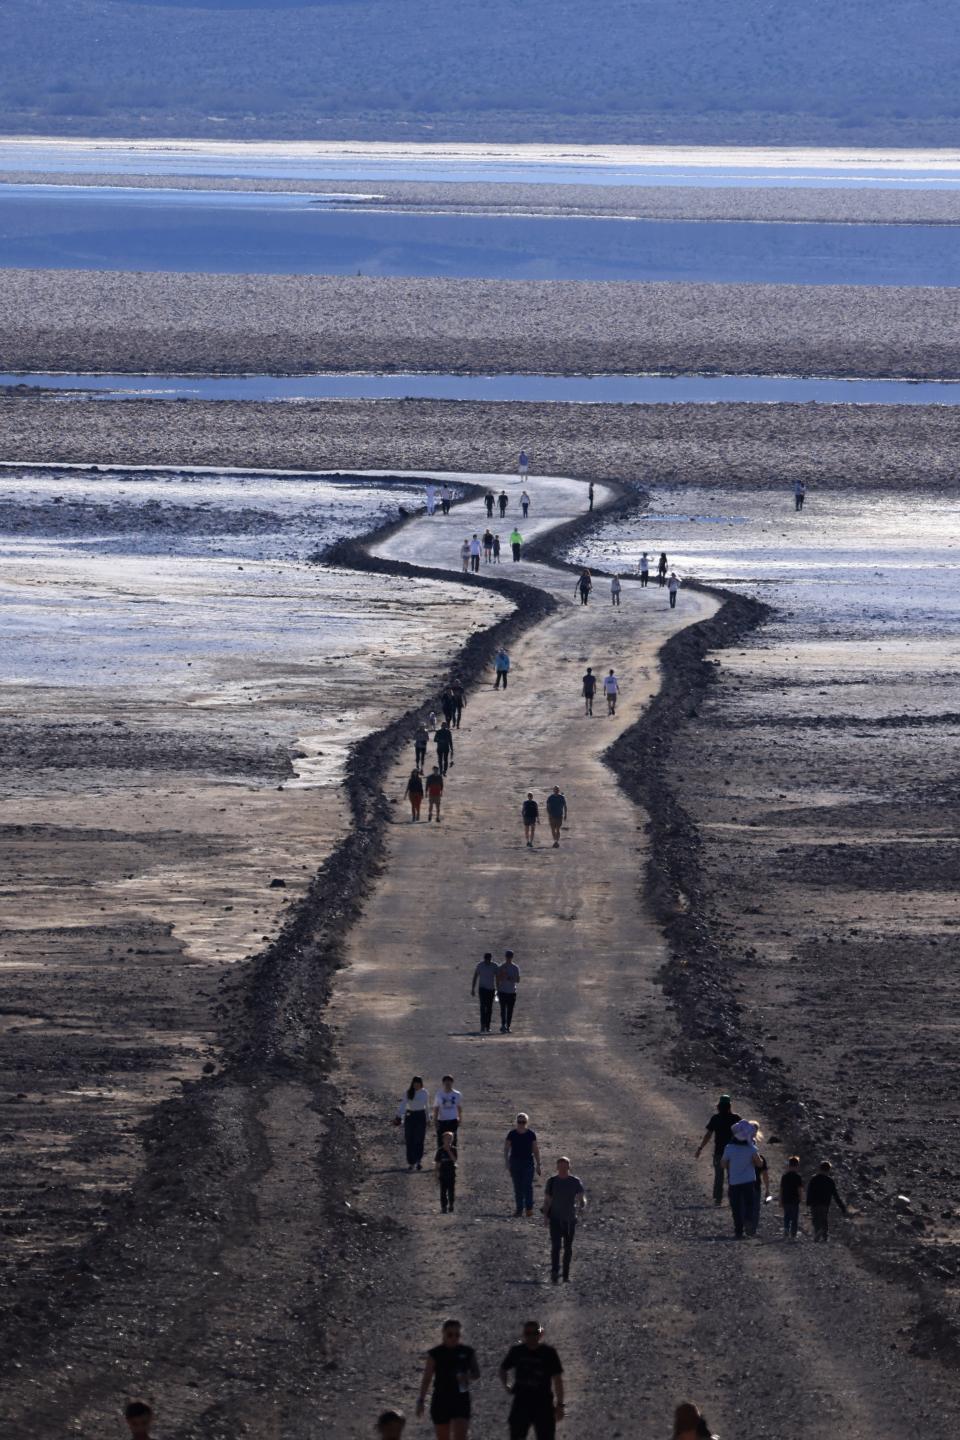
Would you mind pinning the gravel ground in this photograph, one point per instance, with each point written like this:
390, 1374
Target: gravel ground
286, 324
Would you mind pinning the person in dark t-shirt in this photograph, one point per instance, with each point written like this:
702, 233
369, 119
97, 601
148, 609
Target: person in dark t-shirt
445, 1163
537, 1387
821, 1193
791, 1195
443, 740
556, 813
522, 1156
530, 811
450, 1367
589, 689
719, 1126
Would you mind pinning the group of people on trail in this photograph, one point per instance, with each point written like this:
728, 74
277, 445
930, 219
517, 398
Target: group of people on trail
588, 689
489, 546
739, 1164
556, 808
452, 702
443, 493
584, 585
493, 982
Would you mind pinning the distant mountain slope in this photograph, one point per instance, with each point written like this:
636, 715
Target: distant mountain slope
724, 71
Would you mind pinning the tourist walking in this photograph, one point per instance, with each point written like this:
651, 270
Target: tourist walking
516, 543
689, 1424
662, 567
444, 743
673, 585
450, 1368
391, 1425
590, 496
821, 1194
719, 1127
588, 688
524, 464
501, 664
489, 500
414, 793
508, 978
445, 1167
488, 545
446, 703
537, 1387
530, 812
611, 688
741, 1161
521, 1154
465, 556
799, 494
459, 702
421, 738
584, 585
447, 1109
412, 1115
446, 499
644, 570
525, 504
556, 813
564, 1201
615, 588
475, 554
431, 499
502, 502
496, 549
485, 985
791, 1197
434, 789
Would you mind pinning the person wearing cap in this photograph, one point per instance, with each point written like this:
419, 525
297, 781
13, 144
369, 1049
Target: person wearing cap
742, 1162
719, 1126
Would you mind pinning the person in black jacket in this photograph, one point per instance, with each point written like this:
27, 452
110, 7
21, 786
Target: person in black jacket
443, 739
459, 701
531, 814
821, 1193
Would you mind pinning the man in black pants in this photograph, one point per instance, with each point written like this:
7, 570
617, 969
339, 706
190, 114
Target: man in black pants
564, 1201
537, 1387
421, 737
502, 503
443, 740
719, 1126
485, 980
589, 690
459, 701
508, 978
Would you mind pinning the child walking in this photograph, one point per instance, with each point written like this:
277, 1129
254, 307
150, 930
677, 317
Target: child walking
821, 1193
446, 1167
791, 1197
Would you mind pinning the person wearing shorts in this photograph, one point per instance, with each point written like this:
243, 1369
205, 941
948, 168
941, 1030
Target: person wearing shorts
589, 689
530, 811
450, 1368
556, 813
611, 688
434, 788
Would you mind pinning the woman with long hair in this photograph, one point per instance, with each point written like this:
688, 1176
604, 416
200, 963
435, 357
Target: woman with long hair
414, 793
450, 1369
412, 1115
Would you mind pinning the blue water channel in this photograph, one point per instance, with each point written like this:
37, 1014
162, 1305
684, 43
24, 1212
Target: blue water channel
73, 227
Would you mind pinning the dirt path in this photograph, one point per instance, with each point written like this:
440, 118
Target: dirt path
775, 1340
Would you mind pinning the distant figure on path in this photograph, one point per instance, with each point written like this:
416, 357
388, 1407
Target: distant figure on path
450, 1367
521, 1154
496, 549
475, 553
524, 464
662, 567
611, 688
485, 982
446, 704
741, 1161
673, 585
525, 504
414, 793
588, 689
530, 811
446, 499
799, 494
421, 738
444, 743
489, 500
488, 545
718, 1129
615, 588
502, 503
412, 1114
502, 666
791, 1197
459, 702
556, 813
689, 1424
516, 543
465, 556
508, 978
434, 789
391, 1425
447, 1109
644, 570
431, 499
590, 496
537, 1387
139, 1418
445, 1165
564, 1201
584, 585
821, 1193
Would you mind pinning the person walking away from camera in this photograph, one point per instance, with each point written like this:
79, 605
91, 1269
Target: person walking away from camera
821, 1194
791, 1197
391, 1425
673, 585
537, 1387
465, 556
475, 548
485, 982
521, 1155
662, 567
589, 689
525, 504
414, 793
590, 496
644, 570
502, 666
719, 1127
584, 585
489, 501
445, 1165
556, 813
459, 702
421, 739
412, 1115
502, 503
451, 1367
496, 549
446, 703
431, 499
524, 464
564, 1201
446, 499
447, 1109
434, 789
444, 743
741, 1161
488, 545
611, 688
690, 1424
530, 812
508, 978
799, 494
516, 543
615, 588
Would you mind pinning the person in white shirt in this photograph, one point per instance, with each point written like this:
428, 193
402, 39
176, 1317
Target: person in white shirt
644, 569
673, 585
412, 1115
611, 688
475, 548
447, 1109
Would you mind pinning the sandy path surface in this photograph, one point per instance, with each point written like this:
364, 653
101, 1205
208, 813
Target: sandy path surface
776, 1341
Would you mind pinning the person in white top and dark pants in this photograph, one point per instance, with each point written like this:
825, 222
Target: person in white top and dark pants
412, 1114
447, 1109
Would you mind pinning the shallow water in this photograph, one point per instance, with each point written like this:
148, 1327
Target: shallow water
99, 228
